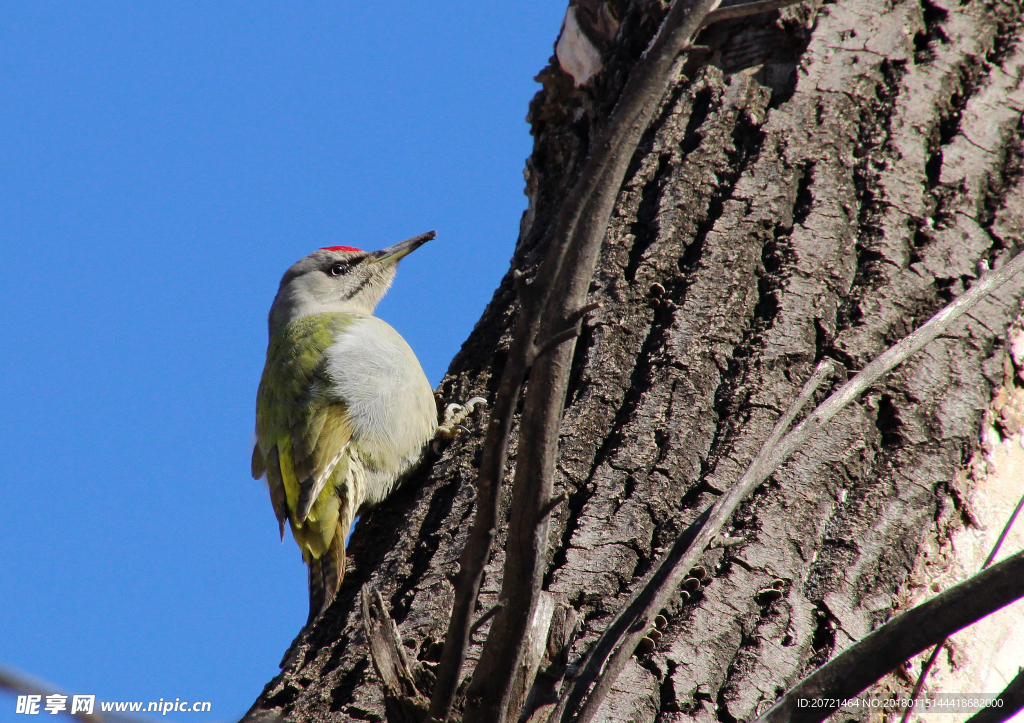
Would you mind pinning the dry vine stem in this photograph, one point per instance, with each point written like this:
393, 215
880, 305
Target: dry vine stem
629, 626
549, 307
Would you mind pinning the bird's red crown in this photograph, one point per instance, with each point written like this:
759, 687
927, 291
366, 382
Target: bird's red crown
340, 248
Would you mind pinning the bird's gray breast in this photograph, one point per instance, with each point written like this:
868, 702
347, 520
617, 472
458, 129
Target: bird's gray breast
390, 403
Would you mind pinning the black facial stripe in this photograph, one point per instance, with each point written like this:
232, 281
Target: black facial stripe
347, 264
362, 284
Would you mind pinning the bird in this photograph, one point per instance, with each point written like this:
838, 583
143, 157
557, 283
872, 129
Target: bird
344, 410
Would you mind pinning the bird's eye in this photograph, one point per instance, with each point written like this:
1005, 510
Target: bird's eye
338, 269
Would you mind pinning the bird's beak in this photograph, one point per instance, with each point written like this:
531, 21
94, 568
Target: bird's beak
403, 248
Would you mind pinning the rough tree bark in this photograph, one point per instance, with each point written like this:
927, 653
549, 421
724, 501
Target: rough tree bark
830, 178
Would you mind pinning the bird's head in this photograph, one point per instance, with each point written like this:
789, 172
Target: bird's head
338, 278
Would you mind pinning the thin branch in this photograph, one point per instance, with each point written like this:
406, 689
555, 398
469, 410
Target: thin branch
522, 353
1002, 535
744, 9
558, 338
901, 638
930, 662
1011, 699
482, 620
553, 503
925, 669
20, 684
578, 315
571, 331
635, 618
632, 628
894, 356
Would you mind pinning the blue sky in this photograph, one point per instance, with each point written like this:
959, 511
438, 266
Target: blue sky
161, 164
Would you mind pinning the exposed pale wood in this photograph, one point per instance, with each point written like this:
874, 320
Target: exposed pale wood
900, 639
1012, 699
534, 648
739, 10
402, 699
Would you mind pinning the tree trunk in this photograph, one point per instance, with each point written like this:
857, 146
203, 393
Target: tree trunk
830, 177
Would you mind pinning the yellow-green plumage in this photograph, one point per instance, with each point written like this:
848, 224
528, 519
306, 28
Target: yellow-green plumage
301, 432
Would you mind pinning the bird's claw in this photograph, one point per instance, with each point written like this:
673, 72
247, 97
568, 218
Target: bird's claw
454, 415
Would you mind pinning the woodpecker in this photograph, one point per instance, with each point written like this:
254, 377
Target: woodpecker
343, 410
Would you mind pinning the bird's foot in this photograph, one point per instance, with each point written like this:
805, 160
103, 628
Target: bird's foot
454, 415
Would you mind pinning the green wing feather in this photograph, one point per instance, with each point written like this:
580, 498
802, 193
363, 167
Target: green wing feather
319, 445
277, 494
259, 467
303, 448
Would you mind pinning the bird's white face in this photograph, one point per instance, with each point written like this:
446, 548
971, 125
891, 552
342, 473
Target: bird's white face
337, 279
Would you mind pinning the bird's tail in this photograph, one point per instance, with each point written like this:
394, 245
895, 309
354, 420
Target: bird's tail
325, 576
327, 571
